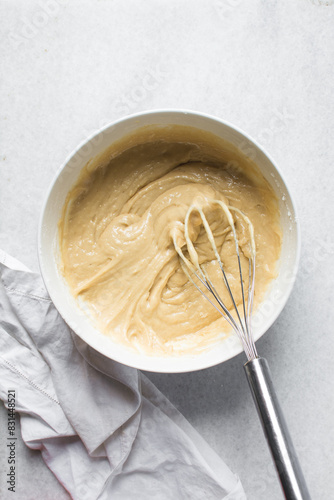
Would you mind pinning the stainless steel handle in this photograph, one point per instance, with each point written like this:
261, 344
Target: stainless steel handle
275, 430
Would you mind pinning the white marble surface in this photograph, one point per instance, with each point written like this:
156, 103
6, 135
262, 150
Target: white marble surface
69, 66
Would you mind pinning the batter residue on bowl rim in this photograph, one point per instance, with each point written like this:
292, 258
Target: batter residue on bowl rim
116, 245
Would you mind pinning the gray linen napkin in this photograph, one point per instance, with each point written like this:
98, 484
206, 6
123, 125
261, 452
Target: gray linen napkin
103, 428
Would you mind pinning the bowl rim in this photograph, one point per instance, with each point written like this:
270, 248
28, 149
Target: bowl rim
165, 111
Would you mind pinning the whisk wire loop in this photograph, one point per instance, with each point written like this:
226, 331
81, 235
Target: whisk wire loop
191, 266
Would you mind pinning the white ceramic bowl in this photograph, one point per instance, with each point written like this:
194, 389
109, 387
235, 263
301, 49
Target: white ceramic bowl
48, 241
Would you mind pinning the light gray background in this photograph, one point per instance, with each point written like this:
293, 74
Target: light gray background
70, 66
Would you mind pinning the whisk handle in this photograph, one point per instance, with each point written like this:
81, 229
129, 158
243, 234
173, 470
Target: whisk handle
275, 430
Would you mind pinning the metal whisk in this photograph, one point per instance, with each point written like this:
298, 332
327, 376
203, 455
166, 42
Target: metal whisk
256, 368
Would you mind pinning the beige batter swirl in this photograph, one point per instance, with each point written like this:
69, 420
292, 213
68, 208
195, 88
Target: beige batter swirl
116, 237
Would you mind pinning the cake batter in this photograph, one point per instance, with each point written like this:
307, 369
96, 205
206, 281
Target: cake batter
119, 222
